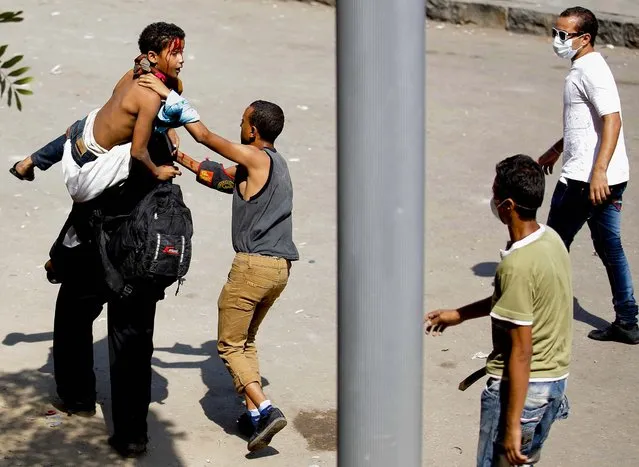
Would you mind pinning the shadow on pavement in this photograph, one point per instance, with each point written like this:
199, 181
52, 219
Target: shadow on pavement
588, 318
486, 269
221, 404
30, 437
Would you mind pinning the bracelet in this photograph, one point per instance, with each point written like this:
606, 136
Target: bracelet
555, 149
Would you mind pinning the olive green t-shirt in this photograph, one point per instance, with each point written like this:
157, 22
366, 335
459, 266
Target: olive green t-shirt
533, 287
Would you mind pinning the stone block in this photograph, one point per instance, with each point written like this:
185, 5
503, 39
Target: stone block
610, 32
631, 35
527, 21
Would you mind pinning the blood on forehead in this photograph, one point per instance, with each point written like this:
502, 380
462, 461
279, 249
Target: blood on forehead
176, 45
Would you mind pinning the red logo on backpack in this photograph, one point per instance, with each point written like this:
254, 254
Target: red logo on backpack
171, 250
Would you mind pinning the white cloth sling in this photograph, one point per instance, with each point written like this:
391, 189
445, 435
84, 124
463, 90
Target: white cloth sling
108, 169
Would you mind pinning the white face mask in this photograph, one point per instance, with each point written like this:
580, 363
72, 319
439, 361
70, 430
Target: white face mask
564, 49
495, 208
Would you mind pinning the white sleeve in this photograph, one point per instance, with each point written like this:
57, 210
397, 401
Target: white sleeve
601, 90
173, 98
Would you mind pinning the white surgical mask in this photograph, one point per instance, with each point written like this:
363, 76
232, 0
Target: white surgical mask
495, 208
564, 49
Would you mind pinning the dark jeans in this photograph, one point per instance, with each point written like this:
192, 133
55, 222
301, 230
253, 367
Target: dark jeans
571, 208
159, 147
49, 154
130, 329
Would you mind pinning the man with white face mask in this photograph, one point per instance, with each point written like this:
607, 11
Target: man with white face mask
531, 320
595, 168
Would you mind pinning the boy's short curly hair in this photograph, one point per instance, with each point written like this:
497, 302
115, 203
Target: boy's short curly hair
157, 36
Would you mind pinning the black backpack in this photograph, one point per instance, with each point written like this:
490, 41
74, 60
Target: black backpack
150, 245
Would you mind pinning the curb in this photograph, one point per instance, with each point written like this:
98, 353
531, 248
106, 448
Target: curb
322, 2
617, 31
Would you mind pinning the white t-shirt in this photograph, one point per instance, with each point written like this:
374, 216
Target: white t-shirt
589, 94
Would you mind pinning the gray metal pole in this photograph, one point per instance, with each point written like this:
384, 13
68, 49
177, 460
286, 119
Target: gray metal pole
381, 164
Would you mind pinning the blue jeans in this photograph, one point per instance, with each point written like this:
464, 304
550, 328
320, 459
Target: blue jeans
49, 154
159, 147
570, 209
545, 403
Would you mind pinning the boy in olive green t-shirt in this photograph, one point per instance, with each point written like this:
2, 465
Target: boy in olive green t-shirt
531, 314
533, 288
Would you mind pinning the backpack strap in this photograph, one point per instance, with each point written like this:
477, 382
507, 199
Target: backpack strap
112, 277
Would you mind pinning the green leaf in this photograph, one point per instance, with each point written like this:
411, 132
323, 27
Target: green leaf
11, 17
19, 71
3, 83
9, 95
18, 103
26, 92
22, 81
2, 49
11, 62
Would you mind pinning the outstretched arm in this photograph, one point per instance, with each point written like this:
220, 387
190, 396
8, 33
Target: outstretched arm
210, 173
437, 321
239, 153
187, 162
235, 152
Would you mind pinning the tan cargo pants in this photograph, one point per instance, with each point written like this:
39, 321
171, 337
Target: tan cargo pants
253, 285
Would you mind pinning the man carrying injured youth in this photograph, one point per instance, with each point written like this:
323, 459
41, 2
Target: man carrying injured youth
98, 149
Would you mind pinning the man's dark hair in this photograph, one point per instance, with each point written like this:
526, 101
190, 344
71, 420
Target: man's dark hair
587, 24
157, 36
521, 179
268, 118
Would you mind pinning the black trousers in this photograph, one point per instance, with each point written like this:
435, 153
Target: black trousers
80, 300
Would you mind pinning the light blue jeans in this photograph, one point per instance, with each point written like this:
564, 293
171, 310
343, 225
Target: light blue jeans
545, 403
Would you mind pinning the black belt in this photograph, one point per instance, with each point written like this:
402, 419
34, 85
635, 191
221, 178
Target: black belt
472, 379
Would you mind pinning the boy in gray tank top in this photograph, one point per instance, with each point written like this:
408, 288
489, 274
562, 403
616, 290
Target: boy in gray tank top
262, 234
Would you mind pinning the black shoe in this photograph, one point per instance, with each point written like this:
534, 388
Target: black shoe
28, 176
618, 333
271, 423
79, 409
128, 449
245, 425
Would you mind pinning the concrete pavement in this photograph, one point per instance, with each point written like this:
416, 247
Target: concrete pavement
490, 94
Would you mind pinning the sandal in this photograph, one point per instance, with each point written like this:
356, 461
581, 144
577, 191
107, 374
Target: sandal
27, 177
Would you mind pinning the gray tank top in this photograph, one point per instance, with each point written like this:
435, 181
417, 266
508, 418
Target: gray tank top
263, 224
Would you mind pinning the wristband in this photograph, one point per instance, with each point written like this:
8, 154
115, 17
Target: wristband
213, 175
